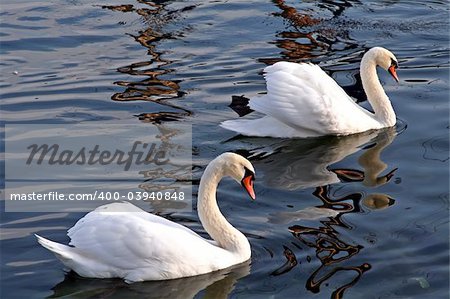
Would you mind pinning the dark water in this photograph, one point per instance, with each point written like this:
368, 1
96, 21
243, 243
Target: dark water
363, 216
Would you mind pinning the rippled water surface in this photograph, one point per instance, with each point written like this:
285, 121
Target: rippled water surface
363, 216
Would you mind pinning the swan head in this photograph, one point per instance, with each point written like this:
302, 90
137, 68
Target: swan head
240, 169
385, 59
378, 201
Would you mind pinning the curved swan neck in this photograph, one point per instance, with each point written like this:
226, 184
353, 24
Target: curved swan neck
210, 216
378, 99
371, 159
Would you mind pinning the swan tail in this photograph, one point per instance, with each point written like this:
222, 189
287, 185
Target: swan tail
235, 125
247, 127
266, 126
63, 252
260, 127
74, 259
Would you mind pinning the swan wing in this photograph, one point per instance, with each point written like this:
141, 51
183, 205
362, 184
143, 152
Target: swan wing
304, 97
121, 208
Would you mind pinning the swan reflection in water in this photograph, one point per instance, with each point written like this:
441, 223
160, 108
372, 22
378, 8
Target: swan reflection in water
315, 169
304, 163
217, 284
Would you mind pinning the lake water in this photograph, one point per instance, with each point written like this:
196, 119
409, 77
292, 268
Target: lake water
363, 216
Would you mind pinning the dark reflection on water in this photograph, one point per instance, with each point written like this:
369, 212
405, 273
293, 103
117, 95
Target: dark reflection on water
330, 249
214, 285
152, 88
291, 262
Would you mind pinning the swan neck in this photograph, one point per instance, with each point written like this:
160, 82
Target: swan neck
210, 216
376, 96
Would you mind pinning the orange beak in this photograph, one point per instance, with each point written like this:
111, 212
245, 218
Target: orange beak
247, 183
393, 72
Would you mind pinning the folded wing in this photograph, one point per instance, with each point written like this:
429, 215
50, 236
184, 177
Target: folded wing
304, 97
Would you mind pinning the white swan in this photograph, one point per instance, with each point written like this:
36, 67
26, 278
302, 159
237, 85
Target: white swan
303, 101
121, 240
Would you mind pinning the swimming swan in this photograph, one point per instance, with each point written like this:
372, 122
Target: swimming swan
303, 101
121, 240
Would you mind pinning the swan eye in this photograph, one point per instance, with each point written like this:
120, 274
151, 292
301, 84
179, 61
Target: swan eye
249, 173
394, 64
